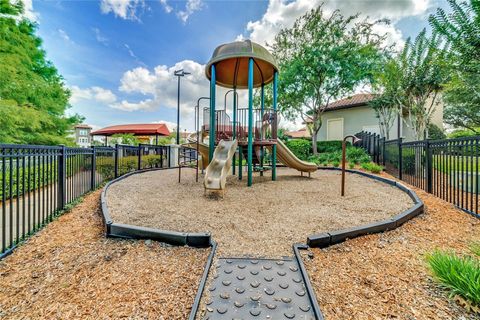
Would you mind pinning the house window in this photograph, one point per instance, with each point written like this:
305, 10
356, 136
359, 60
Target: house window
335, 129
83, 132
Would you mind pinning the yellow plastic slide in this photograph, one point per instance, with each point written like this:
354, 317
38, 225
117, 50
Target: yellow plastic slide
288, 158
219, 168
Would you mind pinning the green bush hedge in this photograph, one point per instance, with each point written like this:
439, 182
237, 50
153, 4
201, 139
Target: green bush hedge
300, 147
330, 146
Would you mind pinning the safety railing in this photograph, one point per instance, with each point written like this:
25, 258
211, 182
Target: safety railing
38, 182
446, 168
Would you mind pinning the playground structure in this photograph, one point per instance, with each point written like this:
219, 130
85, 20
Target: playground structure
243, 65
219, 167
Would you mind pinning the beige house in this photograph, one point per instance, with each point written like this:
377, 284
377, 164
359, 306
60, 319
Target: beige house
353, 114
82, 135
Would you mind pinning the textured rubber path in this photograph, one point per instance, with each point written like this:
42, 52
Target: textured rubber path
258, 289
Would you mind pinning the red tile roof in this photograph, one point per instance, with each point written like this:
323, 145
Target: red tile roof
356, 100
137, 129
302, 133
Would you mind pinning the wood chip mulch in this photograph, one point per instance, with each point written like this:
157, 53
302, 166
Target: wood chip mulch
69, 270
385, 276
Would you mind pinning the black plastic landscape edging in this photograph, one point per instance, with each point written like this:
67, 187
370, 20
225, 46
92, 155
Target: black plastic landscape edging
203, 282
325, 239
306, 280
127, 231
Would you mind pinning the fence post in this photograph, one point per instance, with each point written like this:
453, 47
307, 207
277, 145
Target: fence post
384, 151
94, 168
400, 164
116, 161
139, 156
428, 161
62, 167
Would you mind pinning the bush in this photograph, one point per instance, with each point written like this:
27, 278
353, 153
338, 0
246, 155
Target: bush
336, 164
300, 147
351, 165
372, 167
330, 146
435, 133
461, 275
461, 133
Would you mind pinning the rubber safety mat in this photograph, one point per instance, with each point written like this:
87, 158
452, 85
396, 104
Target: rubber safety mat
258, 289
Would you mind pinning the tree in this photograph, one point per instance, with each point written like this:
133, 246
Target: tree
387, 102
423, 72
461, 29
125, 138
33, 96
322, 59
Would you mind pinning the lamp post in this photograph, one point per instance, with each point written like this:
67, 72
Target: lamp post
178, 74
344, 148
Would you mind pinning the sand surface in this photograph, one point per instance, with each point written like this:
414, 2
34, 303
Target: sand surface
263, 220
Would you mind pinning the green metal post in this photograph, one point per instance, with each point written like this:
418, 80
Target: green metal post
234, 122
211, 139
250, 123
262, 109
240, 160
274, 147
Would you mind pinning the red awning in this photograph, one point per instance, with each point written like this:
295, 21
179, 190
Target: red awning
142, 129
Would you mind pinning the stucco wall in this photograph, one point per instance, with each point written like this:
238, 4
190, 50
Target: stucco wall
354, 120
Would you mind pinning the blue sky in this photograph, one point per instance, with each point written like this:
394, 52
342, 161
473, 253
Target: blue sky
118, 56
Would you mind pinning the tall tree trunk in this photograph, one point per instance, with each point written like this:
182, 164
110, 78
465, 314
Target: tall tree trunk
314, 142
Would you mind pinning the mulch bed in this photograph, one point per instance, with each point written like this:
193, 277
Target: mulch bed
69, 270
385, 276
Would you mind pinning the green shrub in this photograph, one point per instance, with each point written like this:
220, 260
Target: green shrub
435, 132
300, 147
372, 167
364, 159
330, 146
461, 275
336, 164
325, 164
461, 133
351, 165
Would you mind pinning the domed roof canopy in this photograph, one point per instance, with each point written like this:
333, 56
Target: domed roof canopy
231, 64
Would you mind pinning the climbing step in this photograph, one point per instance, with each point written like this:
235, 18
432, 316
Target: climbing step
258, 289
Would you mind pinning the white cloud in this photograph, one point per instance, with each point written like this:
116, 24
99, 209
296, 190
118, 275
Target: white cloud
166, 6
99, 36
64, 35
190, 7
282, 14
125, 9
159, 86
98, 94
28, 10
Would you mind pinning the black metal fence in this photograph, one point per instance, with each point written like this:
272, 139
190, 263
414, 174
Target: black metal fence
38, 182
446, 168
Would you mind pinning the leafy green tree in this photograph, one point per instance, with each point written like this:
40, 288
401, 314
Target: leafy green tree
423, 71
33, 96
387, 102
125, 138
461, 29
323, 58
